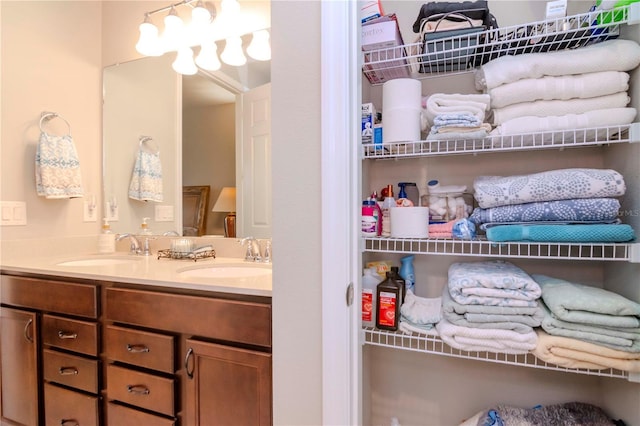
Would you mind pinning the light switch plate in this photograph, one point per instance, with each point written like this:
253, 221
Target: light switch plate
164, 213
14, 213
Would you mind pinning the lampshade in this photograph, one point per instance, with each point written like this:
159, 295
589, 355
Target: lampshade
200, 15
208, 57
149, 42
226, 201
173, 31
184, 62
232, 53
259, 48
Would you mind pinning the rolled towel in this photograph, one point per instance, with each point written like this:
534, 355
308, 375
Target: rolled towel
559, 107
561, 87
610, 55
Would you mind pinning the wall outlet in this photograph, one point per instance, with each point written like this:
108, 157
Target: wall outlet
14, 213
90, 213
164, 214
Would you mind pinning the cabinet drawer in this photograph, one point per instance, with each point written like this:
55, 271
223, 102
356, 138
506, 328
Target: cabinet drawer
74, 335
70, 370
50, 296
64, 407
228, 320
118, 415
141, 389
150, 350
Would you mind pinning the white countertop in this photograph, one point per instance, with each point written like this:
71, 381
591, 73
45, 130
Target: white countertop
144, 270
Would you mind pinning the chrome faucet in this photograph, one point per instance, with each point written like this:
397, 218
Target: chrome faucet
253, 249
268, 251
135, 243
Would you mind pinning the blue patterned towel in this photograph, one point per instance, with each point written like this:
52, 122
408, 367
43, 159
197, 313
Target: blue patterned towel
563, 184
492, 283
573, 210
57, 167
146, 179
601, 233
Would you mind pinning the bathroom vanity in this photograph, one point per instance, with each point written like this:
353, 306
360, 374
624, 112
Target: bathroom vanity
113, 340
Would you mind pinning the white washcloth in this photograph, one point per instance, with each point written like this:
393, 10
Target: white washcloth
408, 328
57, 167
585, 120
421, 310
559, 107
610, 55
455, 103
146, 179
486, 339
559, 88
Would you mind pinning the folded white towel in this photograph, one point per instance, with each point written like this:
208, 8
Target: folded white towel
57, 167
585, 120
559, 88
455, 103
486, 339
610, 55
421, 310
559, 107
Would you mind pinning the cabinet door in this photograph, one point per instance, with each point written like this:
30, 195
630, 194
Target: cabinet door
19, 361
227, 386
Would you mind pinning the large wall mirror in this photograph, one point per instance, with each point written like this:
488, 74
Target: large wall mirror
190, 126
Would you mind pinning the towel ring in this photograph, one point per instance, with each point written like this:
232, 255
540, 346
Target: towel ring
46, 116
143, 141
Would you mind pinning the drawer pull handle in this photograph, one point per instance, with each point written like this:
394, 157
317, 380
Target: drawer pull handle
186, 363
27, 334
69, 422
137, 348
67, 335
68, 371
138, 389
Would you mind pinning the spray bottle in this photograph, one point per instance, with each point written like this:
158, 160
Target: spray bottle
406, 272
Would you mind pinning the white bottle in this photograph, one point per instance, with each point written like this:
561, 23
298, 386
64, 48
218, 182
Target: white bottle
388, 203
144, 227
106, 239
370, 280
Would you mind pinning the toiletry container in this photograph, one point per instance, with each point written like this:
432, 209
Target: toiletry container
369, 220
106, 239
370, 280
388, 294
407, 273
409, 190
144, 227
388, 203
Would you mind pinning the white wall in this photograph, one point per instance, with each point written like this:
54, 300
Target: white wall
51, 61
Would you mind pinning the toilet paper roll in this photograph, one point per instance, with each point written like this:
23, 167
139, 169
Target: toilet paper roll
401, 93
409, 222
401, 125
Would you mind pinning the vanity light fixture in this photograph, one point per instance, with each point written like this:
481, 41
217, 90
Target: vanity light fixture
202, 32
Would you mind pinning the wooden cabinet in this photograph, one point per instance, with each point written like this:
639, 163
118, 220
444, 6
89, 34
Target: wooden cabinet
19, 357
64, 315
223, 363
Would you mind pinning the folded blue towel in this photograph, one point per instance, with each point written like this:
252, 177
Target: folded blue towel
610, 233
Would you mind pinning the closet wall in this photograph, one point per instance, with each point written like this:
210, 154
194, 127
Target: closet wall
429, 389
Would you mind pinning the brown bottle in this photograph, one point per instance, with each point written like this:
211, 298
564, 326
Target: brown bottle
388, 294
401, 282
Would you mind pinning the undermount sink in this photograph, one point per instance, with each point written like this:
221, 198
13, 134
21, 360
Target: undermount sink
98, 261
227, 271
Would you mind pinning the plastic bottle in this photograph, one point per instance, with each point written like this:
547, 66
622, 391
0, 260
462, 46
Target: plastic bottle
377, 212
144, 227
388, 294
370, 280
369, 221
401, 282
406, 272
106, 239
388, 203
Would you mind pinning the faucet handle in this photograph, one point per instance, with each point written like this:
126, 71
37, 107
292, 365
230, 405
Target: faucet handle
267, 252
249, 255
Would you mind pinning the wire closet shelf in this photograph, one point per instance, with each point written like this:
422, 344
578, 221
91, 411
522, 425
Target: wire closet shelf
462, 54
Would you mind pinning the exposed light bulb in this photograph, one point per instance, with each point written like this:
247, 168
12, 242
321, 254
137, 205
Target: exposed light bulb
149, 42
173, 31
232, 53
183, 63
260, 48
208, 57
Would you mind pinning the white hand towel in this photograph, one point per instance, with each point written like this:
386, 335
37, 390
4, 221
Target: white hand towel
455, 103
146, 179
421, 310
57, 168
610, 55
559, 88
559, 107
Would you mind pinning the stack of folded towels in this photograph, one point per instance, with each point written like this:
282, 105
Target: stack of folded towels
455, 116
565, 205
490, 306
562, 90
420, 314
587, 327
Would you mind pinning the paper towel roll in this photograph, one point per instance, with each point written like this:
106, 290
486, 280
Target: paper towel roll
401, 125
401, 93
409, 222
